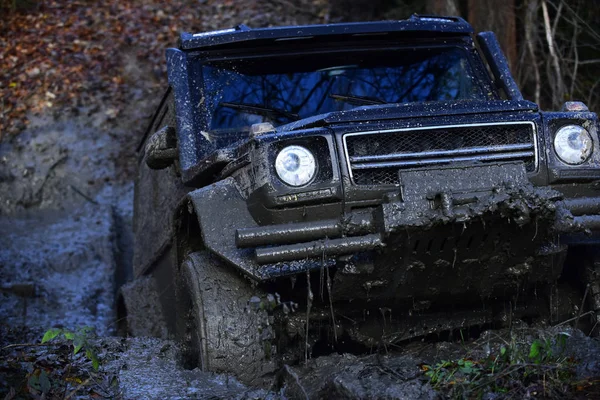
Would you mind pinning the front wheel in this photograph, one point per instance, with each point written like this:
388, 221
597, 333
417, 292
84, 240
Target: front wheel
217, 330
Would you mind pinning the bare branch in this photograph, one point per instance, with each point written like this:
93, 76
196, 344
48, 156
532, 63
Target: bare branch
558, 92
558, 11
574, 47
587, 62
589, 29
592, 92
532, 7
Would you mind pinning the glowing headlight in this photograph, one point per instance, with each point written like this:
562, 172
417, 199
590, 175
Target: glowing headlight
295, 165
573, 144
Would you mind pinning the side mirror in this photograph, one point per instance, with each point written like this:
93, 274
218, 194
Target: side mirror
161, 149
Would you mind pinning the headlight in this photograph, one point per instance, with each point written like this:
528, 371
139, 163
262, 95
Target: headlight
295, 165
573, 144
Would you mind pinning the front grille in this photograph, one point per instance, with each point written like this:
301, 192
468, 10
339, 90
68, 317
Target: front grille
375, 157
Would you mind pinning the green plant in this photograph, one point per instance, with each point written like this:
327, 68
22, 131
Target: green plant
452, 372
78, 339
533, 367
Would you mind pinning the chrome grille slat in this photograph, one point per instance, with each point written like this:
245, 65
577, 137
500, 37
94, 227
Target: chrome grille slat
375, 157
433, 161
441, 153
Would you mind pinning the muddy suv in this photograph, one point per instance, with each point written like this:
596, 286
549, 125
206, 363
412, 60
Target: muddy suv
311, 189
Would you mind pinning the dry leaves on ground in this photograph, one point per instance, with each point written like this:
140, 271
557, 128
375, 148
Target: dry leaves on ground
79, 53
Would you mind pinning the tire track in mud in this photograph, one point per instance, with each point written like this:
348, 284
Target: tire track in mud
65, 242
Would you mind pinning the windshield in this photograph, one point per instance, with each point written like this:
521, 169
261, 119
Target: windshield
282, 89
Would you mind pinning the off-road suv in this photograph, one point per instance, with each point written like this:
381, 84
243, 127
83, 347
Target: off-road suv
323, 188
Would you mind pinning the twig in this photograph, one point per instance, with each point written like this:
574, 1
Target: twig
593, 327
586, 62
500, 337
79, 192
10, 346
11, 394
385, 369
98, 384
573, 319
37, 196
592, 91
77, 389
508, 371
587, 289
296, 380
71, 355
589, 29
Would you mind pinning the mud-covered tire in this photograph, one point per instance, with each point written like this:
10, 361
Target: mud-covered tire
216, 329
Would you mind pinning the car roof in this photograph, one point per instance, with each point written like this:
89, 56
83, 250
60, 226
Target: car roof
418, 25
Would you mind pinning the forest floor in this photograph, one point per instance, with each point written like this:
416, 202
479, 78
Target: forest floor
79, 82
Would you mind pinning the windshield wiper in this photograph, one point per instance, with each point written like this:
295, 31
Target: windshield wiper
357, 100
259, 109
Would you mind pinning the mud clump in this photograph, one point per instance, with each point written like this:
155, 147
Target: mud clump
148, 368
351, 377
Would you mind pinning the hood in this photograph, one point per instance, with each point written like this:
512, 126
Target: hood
410, 110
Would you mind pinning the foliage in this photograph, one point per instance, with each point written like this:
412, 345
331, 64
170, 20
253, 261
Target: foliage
68, 53
63, 56
536, 368
53, 370
79, 340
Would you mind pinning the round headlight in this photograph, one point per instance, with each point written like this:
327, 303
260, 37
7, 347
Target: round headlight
573, 144
295, 165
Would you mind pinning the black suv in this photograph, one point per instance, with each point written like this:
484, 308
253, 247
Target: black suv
323, 188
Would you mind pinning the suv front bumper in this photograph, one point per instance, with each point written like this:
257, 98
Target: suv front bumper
426, 201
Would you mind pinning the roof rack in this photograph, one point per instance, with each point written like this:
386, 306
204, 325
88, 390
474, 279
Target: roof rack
416, 23
435, 18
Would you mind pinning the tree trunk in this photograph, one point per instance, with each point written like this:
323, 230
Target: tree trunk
499, 17
531, 40
443, 7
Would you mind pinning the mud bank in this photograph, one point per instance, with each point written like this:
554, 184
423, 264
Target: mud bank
66, 208
60, 203
66, 261
65, 214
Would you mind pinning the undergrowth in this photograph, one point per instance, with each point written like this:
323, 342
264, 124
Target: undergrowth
79, 341
534, 368
65, 364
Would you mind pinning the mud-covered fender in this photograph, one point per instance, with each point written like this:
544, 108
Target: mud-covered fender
221, 209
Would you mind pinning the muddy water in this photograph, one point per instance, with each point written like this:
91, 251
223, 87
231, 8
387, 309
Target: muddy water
65, 229
58, 205
65, 226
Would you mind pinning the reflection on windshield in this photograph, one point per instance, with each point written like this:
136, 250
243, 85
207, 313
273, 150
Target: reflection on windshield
335, 82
